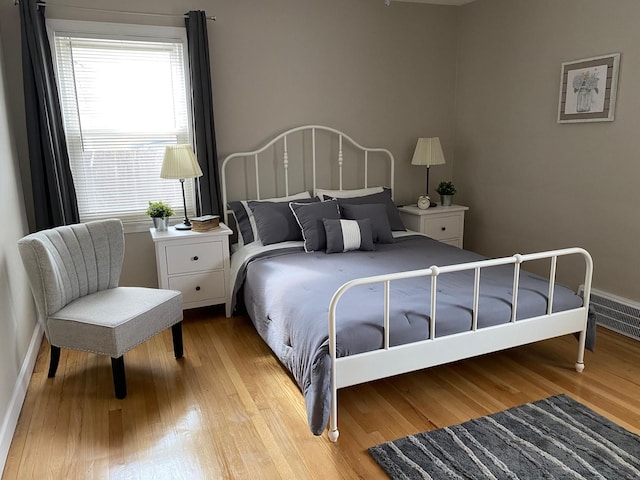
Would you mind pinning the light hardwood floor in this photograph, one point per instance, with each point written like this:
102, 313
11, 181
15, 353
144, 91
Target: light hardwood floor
229, 410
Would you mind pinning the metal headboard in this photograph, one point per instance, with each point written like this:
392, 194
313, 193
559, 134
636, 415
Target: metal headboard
283, 137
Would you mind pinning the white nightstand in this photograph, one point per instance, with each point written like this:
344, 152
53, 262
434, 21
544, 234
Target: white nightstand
445, 224
196, 263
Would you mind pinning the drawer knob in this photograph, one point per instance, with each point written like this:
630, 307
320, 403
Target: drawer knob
195, 258
444, 228
197, 289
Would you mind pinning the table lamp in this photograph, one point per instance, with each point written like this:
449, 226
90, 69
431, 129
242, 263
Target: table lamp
428, 152
180, 163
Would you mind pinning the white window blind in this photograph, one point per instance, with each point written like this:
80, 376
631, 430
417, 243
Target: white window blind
123, 100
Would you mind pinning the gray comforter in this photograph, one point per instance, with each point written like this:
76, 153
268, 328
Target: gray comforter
287, 294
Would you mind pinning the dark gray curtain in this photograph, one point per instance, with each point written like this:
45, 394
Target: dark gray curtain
202, 104
54, 196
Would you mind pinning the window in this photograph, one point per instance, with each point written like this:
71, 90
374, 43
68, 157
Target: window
123, 92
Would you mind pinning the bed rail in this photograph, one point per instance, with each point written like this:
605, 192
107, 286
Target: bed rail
283, 138
388, 360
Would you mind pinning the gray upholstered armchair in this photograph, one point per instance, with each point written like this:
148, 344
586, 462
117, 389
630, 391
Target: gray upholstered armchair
74, 273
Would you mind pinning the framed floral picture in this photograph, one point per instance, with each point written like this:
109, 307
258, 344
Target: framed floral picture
588, 89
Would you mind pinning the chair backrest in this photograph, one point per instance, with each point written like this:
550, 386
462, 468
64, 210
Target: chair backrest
66, 263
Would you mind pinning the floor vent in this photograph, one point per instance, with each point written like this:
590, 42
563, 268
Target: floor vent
616, 313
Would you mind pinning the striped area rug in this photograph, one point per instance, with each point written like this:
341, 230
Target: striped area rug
552, 438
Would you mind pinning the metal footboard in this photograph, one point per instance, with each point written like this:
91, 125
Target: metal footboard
388, 360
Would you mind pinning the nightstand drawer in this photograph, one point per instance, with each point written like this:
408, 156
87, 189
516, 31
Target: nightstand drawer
199, 287
442, 227
194, 257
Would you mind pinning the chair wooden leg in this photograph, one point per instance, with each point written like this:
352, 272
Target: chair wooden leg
119, 380
53, 363
176, 332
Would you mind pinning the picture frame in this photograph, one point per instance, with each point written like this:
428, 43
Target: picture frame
588, 89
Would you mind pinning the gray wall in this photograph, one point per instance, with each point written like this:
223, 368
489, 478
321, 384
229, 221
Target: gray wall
17, 311
384, 75
533, 184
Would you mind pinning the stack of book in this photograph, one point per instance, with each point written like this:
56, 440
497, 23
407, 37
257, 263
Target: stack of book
205, 223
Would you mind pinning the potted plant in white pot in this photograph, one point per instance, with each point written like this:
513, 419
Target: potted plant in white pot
446, 190
160, 213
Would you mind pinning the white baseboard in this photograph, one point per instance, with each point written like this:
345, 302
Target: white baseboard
10, 421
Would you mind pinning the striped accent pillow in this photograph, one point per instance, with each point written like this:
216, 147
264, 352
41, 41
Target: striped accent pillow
344, 235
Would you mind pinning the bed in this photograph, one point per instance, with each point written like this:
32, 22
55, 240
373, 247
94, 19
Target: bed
342, 294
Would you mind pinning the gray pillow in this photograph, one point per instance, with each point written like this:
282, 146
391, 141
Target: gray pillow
309, 217
377, 215
243, 215
344, 235
275, 221
383, 197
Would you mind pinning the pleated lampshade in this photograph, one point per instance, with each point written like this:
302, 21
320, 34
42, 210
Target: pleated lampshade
180, 162
428, 152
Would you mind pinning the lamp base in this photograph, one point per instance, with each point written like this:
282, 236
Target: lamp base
182, 226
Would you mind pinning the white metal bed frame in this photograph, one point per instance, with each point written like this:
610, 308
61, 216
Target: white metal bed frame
389, 361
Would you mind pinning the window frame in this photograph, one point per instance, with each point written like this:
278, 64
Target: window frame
134, 32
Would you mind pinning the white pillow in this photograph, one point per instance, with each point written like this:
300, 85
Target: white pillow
247, 221
297, 196
360, 192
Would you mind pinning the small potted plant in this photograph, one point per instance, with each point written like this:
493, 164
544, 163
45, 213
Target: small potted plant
446, 190
160, 213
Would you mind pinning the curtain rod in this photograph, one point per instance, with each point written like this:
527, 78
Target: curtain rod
60, 5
